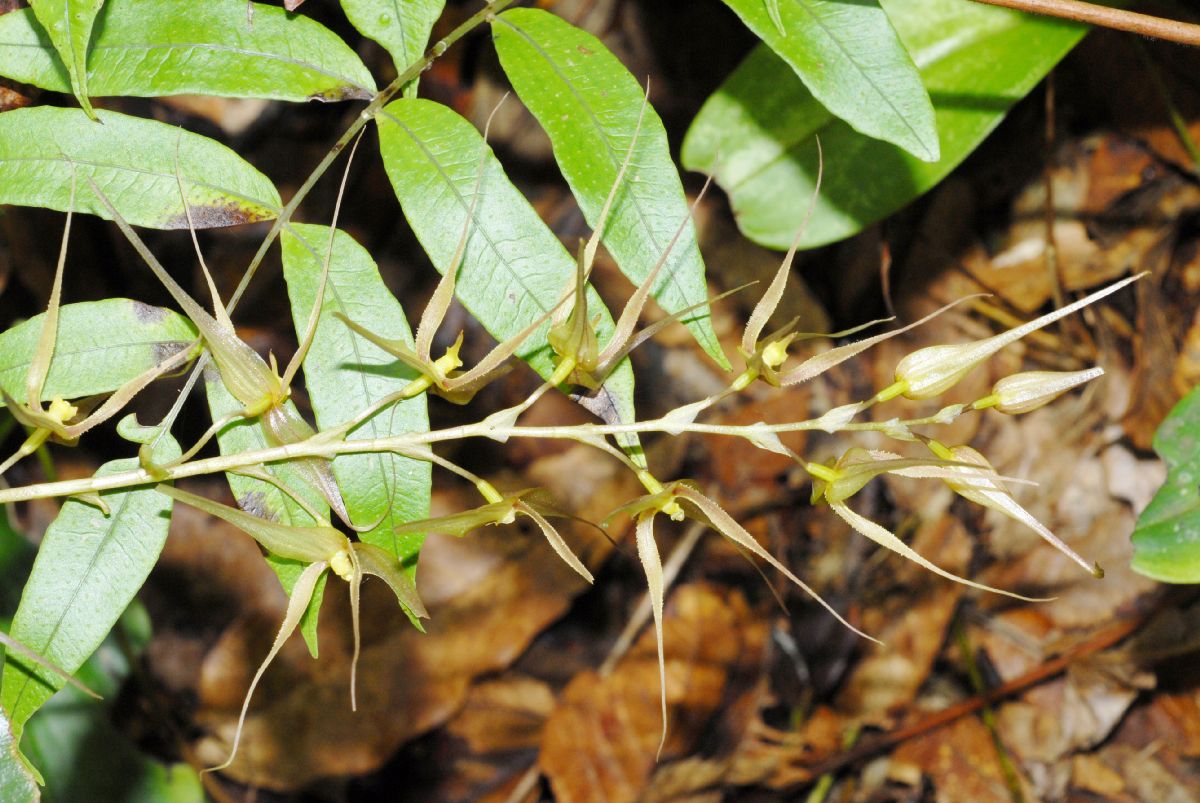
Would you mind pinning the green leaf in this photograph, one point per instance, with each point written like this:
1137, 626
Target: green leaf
133, 162
88, 569
83, 755
69, 26
401, 26
1166, 540
514, 269
264, 499
757, 132
17, 783
345, 374
589, 105
849, 57
149, 48
101, 346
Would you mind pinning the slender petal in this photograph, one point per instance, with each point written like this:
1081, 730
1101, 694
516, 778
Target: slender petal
375, 561
820, 363
982, 486
556, 541
297, 604
885, 538
770, 301
652, 564
307, 544
725, 524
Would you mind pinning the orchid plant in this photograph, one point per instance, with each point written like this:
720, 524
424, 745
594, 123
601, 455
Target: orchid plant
346, 495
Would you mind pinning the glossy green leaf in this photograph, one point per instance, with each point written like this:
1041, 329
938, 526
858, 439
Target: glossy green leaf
401, 26
101, 346
514, 270
345, 374
88, 569
83, 755
68, 23
133, 162
1166, 540
589, 104
149, 48
265, 499
17, 783
757, 132
849, 57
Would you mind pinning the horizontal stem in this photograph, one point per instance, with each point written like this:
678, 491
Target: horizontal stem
1184, 33
320, 445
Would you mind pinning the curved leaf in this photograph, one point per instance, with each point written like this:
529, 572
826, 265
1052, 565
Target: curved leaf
88, 569
756, 133
133, 162
401, 26
1166, 540
264, 499
514, 269
589, 104
101, 346
148, 48
345, 374
82, 752
17, 783
69, 26
851, 60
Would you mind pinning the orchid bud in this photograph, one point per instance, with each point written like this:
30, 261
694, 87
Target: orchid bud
1021, 393
931, 371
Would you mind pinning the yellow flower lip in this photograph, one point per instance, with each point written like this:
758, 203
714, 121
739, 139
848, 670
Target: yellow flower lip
61, 411
342, 565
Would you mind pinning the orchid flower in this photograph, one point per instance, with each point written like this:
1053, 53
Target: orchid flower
932, 371
323, 548
978, 482
62, 420
259, 387
678, 500
765, 356
533, 503
837, 483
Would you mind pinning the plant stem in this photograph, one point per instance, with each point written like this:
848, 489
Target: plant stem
365, 116
1157, 27
320, 445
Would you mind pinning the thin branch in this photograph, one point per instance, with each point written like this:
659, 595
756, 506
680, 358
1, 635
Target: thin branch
1184, 33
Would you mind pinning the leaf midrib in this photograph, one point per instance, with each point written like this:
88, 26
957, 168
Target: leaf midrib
631, 186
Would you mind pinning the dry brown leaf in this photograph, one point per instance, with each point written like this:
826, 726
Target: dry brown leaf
912, 630
503, 714
960, 760
601, 741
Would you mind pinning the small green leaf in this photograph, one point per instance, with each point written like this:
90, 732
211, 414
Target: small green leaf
101, 346
133, 162
17, 783
849, 57
589, 105
265, 500
514, 270
345, 374
401, 26
756, 134
83, 754
69, 25
88, 569
149, 48
1166, 540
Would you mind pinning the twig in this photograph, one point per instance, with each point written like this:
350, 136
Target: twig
1157, 27
1055, 666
